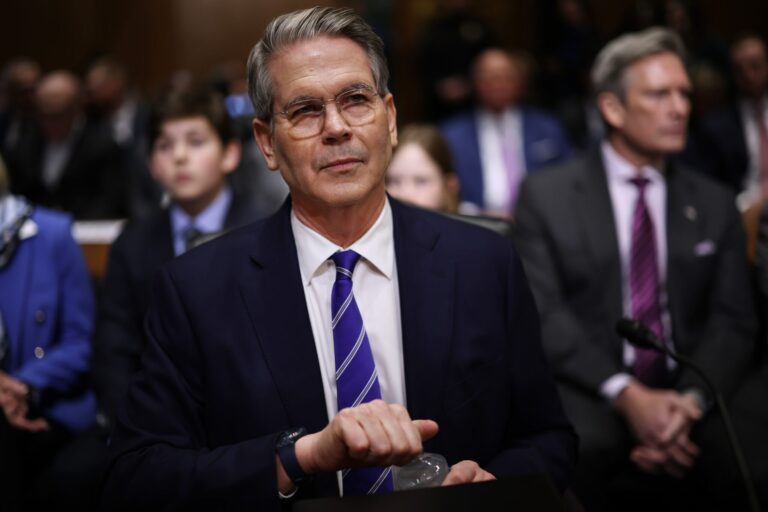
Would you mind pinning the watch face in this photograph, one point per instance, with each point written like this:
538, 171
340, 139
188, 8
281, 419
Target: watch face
290, 436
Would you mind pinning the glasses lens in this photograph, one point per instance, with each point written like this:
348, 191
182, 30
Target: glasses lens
356, 107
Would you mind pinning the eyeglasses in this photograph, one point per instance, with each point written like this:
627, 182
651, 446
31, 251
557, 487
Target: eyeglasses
306, 116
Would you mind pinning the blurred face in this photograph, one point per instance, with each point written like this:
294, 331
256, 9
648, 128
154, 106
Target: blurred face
415, 178
58, 104
342, 165
191, 163
651, 121
498, 81
750, 65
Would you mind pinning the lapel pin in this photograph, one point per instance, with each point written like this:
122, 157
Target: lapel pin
690, 213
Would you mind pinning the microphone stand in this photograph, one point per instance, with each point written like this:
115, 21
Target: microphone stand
732, 437
650, 341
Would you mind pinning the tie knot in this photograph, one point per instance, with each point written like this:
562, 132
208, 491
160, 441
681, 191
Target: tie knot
345, 263
640, 183
192, 236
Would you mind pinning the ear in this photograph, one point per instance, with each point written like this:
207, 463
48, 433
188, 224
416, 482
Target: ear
389, 105
232, 152
612, 109
262, 132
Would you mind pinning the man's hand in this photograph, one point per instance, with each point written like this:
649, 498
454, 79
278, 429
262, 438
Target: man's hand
371, 434
676, 459
13, 400
656, 417
467, 471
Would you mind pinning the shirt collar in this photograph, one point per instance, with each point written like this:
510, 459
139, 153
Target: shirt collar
619, 169
511, 113
375, 246
209, 220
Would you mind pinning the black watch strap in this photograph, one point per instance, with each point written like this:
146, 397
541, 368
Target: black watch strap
286, 450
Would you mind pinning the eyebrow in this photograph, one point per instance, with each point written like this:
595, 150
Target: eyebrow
349, 88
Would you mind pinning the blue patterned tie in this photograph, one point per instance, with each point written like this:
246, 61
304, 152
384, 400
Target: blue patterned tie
356, 378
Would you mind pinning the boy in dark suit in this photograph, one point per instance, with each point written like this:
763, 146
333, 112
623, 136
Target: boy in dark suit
193, 150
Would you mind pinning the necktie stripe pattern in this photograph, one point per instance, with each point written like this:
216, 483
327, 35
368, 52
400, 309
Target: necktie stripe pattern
650, 366
356, 378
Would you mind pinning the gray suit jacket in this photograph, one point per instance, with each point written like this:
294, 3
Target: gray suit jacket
566, 237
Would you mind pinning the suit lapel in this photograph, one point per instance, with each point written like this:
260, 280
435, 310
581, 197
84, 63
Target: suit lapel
425, 279
685, 225
594, 211
273, 294
162, 250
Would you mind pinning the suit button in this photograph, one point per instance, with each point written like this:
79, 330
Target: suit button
39, 352
39, 316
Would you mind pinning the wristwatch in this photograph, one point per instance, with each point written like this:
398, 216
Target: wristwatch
286, 451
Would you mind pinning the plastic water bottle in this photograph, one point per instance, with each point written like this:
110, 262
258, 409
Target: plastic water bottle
426, 470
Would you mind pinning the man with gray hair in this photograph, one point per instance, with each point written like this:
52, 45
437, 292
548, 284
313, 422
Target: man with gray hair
625, 232
346, 333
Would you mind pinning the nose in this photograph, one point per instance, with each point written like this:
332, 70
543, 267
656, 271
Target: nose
179, 152
681, 105
335, 127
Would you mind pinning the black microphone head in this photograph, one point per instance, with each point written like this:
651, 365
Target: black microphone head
637, 334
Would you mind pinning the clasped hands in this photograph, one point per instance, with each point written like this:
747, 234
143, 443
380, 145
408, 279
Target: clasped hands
372, 434
661, 421
13, 400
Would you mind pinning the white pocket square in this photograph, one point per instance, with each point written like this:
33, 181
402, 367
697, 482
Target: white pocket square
704, 248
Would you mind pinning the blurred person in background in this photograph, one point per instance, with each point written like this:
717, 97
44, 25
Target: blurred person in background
421, 170
18, 82
499, 141
627, 232
68, 162
451, 41
734, 140
46, 320
194, 149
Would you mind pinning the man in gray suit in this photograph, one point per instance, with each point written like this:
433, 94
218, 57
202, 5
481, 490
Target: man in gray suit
625, 232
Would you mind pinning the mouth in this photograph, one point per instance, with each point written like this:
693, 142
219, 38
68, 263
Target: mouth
341, 164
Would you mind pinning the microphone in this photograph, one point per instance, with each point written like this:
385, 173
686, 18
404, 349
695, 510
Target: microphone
639, 335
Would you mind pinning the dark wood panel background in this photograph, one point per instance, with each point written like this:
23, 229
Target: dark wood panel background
155, 37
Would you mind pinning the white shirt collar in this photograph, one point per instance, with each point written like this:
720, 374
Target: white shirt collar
619, 169
375, 246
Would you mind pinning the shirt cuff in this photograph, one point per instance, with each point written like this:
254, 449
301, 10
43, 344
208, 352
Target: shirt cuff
614, 385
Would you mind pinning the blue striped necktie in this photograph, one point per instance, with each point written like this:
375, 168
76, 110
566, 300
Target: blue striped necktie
356, 378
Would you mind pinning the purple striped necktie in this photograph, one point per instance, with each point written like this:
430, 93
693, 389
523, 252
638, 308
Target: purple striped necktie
650, 366
356, 378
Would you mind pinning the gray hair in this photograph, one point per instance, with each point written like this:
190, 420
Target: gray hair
307, 24
611, 64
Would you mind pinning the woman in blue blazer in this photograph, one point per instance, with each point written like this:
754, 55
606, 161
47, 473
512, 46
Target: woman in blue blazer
46, 320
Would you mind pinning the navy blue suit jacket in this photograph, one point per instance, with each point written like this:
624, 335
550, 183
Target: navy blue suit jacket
544, 143
231, 363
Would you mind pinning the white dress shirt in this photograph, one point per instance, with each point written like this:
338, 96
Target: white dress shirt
751, 190
374, 284
624, 196
495, 180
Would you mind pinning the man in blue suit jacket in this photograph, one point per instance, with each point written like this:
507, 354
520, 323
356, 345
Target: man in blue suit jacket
479, 137
239, 358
